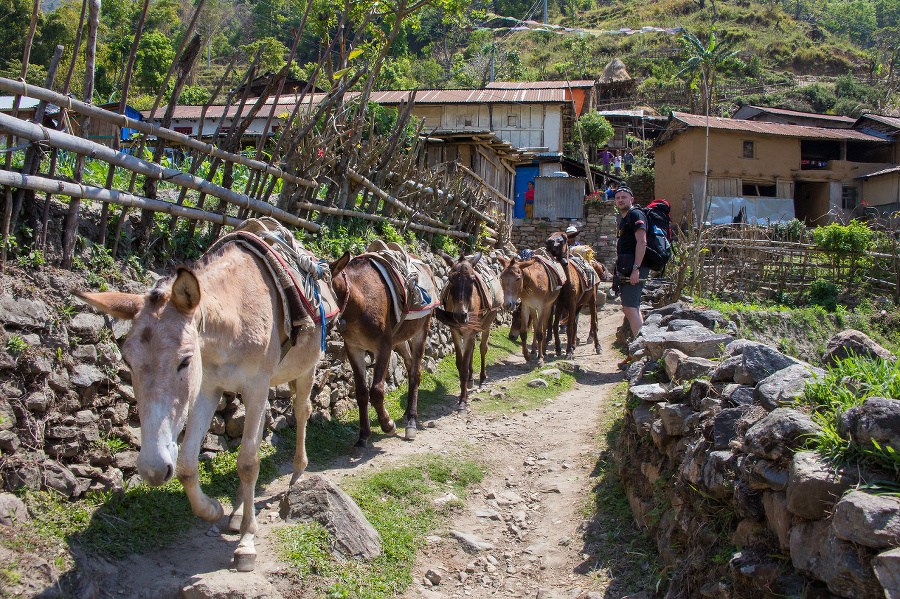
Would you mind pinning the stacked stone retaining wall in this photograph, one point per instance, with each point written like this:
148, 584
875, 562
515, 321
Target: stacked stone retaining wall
713, 456
597, 229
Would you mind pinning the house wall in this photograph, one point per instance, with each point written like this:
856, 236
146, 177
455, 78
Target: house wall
881, 190
776, 161
522, 125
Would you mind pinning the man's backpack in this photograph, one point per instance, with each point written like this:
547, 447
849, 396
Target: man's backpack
659, 235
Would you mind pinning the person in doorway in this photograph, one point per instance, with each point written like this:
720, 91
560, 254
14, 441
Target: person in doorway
617, 163
630, 247
529, 200
628, 161
606, 159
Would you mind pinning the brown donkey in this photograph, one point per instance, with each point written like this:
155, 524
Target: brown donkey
369, 324
217, 327
576, 294
468, 312
529, 284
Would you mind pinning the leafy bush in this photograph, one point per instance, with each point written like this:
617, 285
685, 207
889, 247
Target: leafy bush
843, 239
595, 129
824, 293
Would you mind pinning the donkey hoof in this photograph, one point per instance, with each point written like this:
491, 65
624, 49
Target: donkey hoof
390, 428
358, 450
411, 432
244, 562
462, 407
234, 522
569, 355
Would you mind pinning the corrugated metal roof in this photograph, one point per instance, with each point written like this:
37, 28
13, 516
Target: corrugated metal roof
639, 112
474, 96
25, 103
797, 113
885, 171
540, 84
779, 129
887, 120
215, 112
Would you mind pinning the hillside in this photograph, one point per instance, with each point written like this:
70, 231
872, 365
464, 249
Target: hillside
835, 57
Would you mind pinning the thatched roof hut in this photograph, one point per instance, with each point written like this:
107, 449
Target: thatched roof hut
615, 82
614, 72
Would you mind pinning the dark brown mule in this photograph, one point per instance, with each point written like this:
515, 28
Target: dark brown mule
574, 296
467, 315
367, 325
527, 283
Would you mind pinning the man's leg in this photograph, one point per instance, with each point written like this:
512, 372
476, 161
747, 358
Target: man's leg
635, 320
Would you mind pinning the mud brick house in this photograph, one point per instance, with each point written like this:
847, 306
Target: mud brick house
773, 171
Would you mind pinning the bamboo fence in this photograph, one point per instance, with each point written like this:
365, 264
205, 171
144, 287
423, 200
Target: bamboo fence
321, 165
773, 263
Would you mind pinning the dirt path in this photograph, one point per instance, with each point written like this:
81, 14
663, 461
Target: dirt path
529, 507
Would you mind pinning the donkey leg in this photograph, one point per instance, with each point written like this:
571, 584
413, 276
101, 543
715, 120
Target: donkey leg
485, 338
592, 306
557, 316
572, 329
468, 358
527, 318
414, 374
248, 471
198, 422
357, 358
459, 346
300, 388
376, 392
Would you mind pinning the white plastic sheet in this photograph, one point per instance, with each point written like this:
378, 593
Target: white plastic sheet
724, 210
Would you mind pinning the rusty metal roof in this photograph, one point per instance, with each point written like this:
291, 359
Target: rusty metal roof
215, 112
762, 128
475, 96
845, 120
540, 84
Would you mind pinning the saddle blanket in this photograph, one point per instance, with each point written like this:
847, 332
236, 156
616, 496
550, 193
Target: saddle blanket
585, 271
554, 269
302, 281
413, 288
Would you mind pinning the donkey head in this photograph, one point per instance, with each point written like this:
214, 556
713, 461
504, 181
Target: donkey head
460, 286
558, 247
163, 352
513, 281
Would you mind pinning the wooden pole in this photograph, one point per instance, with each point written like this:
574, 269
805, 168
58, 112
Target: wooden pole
82, 147
70, 228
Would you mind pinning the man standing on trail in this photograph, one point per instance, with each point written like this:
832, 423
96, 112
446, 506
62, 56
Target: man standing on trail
630, 247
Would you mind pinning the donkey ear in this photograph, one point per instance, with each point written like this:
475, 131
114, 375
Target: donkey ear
474, 260
338, 265
124, 306
447, 258
186, 290
503, 261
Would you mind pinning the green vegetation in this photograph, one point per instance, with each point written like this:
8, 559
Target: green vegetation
397, 502
15, 345
845, 386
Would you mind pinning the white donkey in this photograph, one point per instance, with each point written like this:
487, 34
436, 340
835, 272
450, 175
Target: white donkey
218, 327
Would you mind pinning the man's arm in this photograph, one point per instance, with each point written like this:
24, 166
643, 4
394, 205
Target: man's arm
641, 236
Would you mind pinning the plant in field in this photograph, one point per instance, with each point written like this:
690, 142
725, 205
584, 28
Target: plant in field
15, 345
823, 293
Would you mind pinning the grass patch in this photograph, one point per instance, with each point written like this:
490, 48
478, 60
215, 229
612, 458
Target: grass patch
397, 502
519, 396
845, 386
439, 386
619, 553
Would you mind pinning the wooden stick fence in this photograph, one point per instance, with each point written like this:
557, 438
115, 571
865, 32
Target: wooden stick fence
372, 177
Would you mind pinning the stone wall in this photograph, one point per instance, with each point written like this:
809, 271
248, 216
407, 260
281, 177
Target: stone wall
712, 455
598, 229
68, 417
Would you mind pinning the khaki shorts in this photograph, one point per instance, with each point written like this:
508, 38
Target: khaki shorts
631, 294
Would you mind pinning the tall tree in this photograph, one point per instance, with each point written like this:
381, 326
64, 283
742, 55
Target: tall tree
704, 62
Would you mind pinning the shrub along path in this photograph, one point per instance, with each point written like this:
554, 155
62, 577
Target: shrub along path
520, 473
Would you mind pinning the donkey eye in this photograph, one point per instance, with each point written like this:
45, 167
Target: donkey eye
184, 363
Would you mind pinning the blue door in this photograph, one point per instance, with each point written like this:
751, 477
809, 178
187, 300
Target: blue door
524, 174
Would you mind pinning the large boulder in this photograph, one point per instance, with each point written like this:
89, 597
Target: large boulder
779, 433
817, 552
854, 342
726, 369
887, 570
761, 361
869, 520
653, 393
318, 499
814, 486
876, 420
22, 312
711, 319
682, 367
694, 341
785, 386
